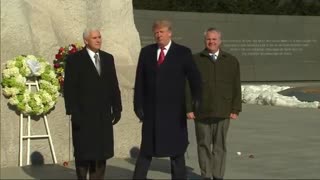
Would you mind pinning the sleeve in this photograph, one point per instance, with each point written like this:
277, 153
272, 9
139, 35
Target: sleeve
116, 98
188, 98
194, 85
139, 84
70, 85
236, 100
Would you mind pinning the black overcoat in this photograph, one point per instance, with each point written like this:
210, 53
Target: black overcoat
91, 99
160, 92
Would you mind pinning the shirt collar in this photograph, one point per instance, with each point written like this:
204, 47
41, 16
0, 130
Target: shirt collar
216, 53
91, 53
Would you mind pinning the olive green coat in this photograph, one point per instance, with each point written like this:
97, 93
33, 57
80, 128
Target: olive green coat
221, 87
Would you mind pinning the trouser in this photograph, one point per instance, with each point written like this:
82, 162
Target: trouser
178, 167
96, 169
211, 134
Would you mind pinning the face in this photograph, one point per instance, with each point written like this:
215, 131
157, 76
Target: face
162, 36
213, 41
93, 41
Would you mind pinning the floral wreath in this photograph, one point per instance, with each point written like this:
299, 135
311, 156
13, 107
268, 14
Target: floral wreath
18, 72
60, 61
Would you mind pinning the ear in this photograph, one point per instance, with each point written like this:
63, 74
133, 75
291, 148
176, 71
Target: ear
85, 41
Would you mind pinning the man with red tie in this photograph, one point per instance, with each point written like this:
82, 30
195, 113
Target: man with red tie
159, 100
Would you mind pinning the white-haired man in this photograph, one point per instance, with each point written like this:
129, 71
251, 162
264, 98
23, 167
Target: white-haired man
92, 98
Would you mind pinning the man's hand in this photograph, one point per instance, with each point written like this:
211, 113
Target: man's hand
233, 116
139, 114
190, 115
116, 117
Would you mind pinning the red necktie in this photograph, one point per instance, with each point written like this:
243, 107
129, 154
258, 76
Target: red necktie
161, 56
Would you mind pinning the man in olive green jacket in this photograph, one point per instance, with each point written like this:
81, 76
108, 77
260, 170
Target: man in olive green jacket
221, 101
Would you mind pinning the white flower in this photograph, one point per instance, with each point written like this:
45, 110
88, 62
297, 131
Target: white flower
26, 71
45, 96
28, 109
10, 64
7, 91
31, 57
51, 104
10, 72
70, 47
26, 97
37, 99
52, 74
43, 66
20, 79
14, 100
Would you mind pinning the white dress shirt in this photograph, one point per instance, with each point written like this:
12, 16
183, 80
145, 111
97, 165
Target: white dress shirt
166, 48
216, 54
91, 54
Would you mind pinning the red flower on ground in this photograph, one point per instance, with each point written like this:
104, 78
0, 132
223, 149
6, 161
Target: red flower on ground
65, 163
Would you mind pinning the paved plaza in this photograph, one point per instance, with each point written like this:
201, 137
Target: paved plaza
275, 143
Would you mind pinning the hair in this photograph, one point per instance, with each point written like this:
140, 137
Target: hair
87, 31
212, 29
162, 23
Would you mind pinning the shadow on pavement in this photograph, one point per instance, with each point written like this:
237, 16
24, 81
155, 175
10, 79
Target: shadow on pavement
159, 164
39, 170
49, 171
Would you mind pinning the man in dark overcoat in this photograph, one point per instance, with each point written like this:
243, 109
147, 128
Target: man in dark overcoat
159, 100
92, 98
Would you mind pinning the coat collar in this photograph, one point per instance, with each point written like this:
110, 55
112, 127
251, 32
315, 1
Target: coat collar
173, 45
88, 60
169, 53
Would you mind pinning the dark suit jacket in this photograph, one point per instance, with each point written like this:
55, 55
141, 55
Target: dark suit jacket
91, 99
221, 93
159, 91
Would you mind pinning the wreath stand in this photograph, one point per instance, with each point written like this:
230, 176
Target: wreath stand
28, 137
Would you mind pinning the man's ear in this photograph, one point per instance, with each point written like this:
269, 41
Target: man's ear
85, 41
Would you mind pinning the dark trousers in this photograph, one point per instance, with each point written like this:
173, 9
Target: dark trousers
96, 169
178, 167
